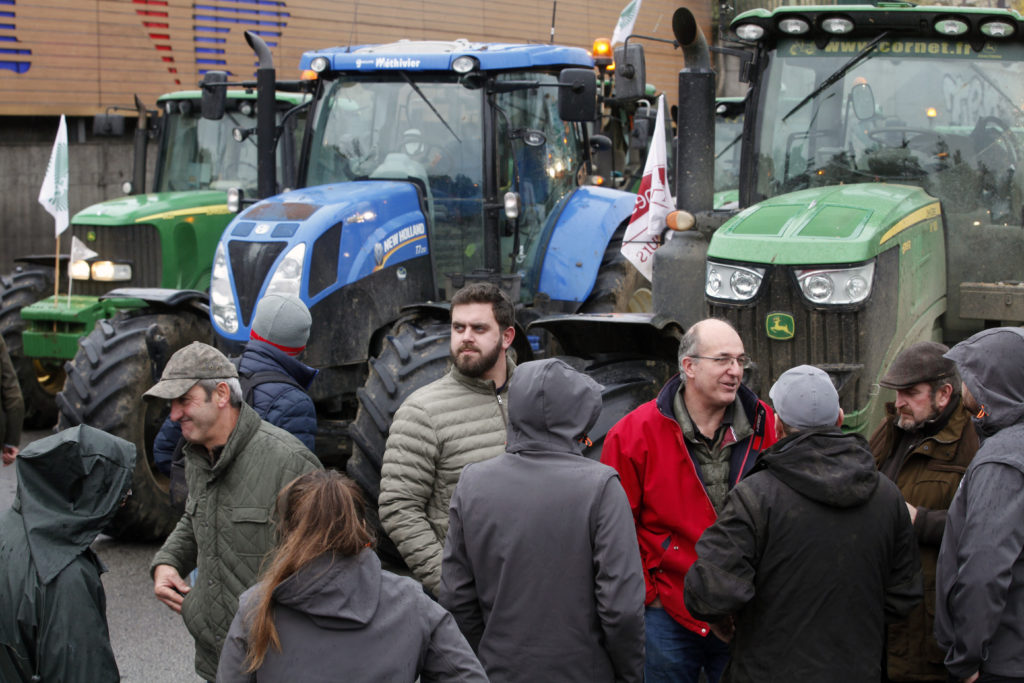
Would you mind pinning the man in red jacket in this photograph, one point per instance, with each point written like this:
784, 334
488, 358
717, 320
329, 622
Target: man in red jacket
678, 456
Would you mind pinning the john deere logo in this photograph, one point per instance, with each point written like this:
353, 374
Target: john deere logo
780, 326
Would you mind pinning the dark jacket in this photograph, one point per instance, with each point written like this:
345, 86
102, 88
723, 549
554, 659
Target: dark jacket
647, 449
812, 553
980, 573
279, 403
346, 619
12, 404
541, 568
228, 529
53, 620
927, 476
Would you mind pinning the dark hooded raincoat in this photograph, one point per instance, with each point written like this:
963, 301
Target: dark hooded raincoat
53, 621
812, 553
541, 567
979, 587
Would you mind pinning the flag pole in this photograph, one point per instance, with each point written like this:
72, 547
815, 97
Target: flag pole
56, 279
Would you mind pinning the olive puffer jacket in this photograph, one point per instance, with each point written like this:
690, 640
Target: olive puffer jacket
227, 529
438, 430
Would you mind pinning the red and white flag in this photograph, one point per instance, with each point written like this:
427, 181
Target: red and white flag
654, 202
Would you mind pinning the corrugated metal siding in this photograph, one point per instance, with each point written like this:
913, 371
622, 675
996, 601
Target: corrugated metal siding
79, 58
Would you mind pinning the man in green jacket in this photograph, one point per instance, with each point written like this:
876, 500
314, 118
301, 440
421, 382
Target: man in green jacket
446, 425
235, 465
12, 407
53, 611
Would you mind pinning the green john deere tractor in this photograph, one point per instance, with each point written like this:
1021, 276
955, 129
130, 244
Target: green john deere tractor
879, 200
155, 251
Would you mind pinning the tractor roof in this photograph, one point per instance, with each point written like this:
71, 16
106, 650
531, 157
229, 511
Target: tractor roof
434, 55
900, 19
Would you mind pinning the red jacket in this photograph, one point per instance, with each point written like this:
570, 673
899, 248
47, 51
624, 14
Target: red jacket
671, 508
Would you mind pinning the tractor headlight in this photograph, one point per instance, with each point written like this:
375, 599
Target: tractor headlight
733, 283
836, 286
287, 278
108, 271
79, 270
222, 299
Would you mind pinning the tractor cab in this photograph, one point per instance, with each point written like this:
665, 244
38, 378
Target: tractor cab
467, 137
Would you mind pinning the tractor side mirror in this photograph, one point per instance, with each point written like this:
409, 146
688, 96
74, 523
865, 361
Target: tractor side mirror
215, 94
630, 72
577, 95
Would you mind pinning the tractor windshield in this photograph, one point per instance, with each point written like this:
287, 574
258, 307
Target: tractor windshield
201, 154
928, 112
378, 126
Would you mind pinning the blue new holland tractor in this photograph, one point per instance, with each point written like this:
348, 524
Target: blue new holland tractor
427, 165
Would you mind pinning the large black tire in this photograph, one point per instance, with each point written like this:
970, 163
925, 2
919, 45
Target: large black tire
116, 363
626, 382
619, 287
40, 381
414, 354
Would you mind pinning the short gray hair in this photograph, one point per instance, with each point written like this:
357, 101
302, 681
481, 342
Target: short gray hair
234, 387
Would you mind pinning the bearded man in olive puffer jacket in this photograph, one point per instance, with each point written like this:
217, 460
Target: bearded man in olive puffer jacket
446, 425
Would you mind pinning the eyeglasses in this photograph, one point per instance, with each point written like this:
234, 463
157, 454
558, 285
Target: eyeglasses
725, 361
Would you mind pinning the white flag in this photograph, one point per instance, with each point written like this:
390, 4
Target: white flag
624, 28
654, 202
53, 195
80, 252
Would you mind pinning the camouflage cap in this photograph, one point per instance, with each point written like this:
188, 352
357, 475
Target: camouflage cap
189, 365
920, 362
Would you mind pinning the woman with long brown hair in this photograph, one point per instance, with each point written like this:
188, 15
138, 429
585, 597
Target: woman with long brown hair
326, 611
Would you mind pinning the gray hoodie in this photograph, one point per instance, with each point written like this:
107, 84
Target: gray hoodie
343, 618
541, 565
980, 573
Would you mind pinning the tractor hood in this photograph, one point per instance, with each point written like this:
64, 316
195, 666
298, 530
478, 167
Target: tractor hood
145, 208
316, 240
839, 224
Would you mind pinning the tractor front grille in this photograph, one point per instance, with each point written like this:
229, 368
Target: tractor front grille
250, 264
849, 343
138, 245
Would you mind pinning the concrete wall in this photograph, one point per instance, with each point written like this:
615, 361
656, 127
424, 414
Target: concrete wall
98, 167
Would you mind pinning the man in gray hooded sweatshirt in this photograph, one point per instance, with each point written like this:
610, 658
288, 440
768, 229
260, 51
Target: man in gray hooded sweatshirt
53, 621
541, 567
979, 585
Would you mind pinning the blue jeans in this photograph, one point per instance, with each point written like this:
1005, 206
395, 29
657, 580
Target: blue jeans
676, 654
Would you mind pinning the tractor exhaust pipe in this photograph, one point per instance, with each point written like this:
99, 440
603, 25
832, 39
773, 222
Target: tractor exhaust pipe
695, 140
266, 119
140, 143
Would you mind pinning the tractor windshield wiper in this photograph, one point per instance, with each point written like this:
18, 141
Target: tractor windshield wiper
429, 104
839, 73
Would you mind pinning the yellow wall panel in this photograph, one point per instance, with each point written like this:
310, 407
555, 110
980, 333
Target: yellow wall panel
81, 56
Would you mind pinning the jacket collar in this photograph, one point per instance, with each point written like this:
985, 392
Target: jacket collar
950, 433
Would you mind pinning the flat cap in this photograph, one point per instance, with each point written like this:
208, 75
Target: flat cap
804, 397
920, 362
189, 365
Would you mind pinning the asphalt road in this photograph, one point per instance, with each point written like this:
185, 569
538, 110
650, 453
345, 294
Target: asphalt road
149, 640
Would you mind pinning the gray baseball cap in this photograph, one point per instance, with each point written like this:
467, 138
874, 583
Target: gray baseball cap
189, 365
804, 397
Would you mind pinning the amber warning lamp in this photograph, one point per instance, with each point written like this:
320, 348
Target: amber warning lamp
602, 52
